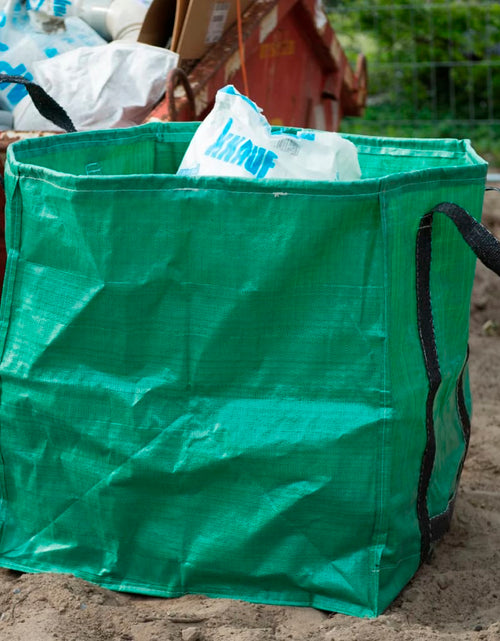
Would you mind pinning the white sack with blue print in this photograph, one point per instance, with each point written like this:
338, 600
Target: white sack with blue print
236, 140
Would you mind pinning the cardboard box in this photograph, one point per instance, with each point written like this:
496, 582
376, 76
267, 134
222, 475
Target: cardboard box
192, 28
158, 24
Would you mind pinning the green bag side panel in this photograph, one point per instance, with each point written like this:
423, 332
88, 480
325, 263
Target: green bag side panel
452, 274
452, 279
180, 402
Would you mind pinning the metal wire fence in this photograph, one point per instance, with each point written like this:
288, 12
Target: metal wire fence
433, 66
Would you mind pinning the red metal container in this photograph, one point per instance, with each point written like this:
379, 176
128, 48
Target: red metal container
296, 68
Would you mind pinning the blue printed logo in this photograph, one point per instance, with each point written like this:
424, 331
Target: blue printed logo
60, 7
241, 151
190, 171
15, 93
31, 6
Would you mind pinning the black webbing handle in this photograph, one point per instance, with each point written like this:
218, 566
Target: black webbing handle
487, 249
46, 105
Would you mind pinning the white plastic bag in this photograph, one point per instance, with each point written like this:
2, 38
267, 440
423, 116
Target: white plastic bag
115, 85
236, 140
23, 42
112, 19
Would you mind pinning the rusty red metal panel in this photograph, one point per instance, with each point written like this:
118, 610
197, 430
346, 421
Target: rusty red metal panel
297, 70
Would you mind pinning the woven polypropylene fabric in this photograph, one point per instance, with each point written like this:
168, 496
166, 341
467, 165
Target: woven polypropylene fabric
216, 385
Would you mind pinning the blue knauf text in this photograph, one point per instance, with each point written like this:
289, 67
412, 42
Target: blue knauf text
241, 151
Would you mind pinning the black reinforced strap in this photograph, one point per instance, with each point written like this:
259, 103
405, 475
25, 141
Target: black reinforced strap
487, 249
46, 105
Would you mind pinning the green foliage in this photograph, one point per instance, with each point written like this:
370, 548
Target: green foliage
430, 64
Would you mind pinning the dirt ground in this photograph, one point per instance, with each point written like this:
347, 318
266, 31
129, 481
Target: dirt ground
455, 597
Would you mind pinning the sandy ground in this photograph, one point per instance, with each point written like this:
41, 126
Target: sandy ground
456, 596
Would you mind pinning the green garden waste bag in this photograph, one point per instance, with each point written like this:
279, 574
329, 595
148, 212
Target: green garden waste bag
239, 388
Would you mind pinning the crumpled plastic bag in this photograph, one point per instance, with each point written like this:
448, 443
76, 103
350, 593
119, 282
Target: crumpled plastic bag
236, 140
24, 41
114, 85
112, 19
